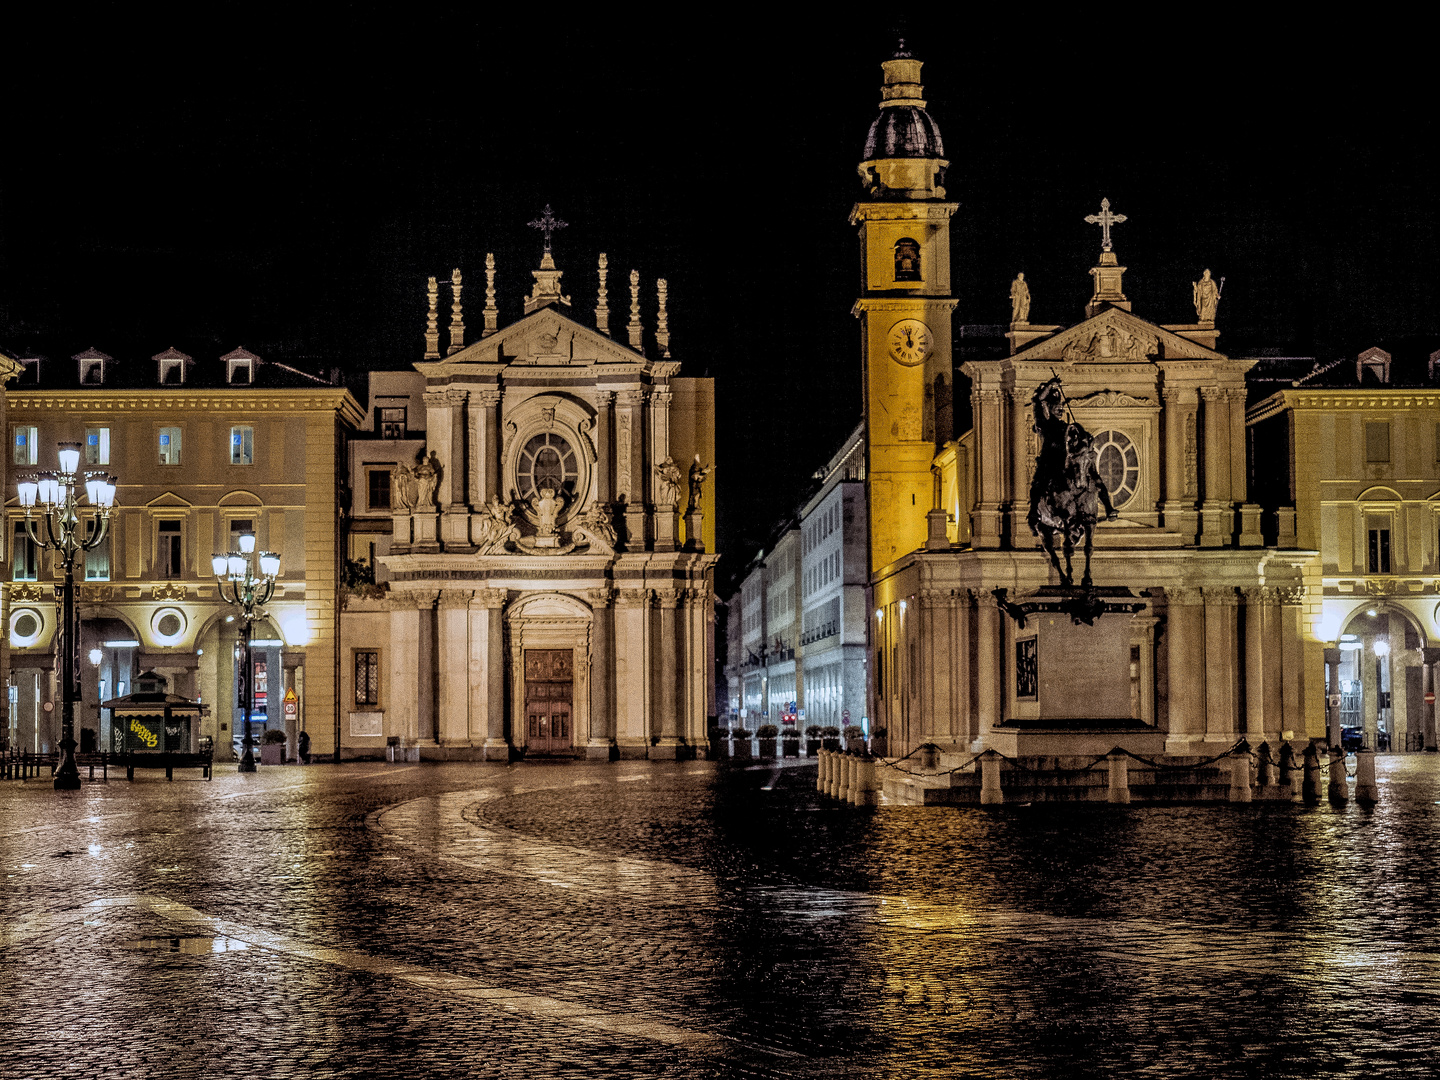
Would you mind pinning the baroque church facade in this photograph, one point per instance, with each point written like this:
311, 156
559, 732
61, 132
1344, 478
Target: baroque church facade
1205, 633
548, 558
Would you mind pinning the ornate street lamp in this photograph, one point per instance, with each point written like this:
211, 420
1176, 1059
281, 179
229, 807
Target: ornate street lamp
248, 592
67, 536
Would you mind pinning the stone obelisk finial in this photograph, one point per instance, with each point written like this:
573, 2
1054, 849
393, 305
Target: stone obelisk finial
602, 305
457, 324
432, 323
662, 322
635, 327
492, 313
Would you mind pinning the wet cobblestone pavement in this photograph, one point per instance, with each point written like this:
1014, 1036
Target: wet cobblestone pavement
697, 920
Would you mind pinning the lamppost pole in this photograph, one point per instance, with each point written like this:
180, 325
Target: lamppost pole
248, 592
66, 536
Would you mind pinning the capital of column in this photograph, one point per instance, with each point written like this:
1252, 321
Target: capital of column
1291, 595
937, 598
661, 397
455, 397
668, 599
455, 599
632, 598
1255, 595
1187, 595
1221, 596
490, 598
604, 399
436, 399
600, 598
1213, 393
630, 399
989, 397
488, 398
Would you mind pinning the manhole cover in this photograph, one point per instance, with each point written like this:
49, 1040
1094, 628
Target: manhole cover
188, 944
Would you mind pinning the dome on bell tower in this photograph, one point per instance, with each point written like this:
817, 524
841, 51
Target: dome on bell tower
903, 137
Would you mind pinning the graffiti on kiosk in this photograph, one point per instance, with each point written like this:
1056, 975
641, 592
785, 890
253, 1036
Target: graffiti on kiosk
148, 737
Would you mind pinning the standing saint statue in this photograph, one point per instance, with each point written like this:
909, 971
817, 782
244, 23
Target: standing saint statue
667, 485
1019, 301
698, 473
1207, 298
402, 489
427, 476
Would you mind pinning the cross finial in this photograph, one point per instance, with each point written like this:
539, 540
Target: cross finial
1105, 219
548, 224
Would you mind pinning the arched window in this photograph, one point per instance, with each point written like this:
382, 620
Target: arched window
907, 260
547, 461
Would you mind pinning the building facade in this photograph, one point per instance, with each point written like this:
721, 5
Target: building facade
1353, 470
203, 451
546, 587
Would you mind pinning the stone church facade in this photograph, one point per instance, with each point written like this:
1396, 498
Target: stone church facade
1208, 633
548, 573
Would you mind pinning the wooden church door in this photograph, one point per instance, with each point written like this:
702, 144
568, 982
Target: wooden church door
549, 696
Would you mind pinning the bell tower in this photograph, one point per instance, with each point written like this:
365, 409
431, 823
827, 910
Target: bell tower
905, 307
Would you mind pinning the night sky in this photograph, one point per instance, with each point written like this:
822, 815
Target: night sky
289, 187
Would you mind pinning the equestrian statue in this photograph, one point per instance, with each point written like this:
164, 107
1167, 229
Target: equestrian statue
1067, 492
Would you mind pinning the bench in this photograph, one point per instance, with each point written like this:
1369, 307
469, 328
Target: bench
25, 765
167, 761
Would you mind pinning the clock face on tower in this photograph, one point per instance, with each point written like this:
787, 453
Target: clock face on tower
910, 342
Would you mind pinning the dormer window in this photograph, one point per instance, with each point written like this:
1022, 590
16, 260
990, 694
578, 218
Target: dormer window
92, 367
240, 368
1373, 366
173, 366
30, 371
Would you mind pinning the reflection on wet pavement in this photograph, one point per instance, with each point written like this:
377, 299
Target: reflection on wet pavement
689, 919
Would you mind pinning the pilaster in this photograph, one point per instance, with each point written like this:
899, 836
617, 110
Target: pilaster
452, 713
484, 447
1217, 524
631, 466
632, 672
1185, 636
487, 673
666, 731
602, 674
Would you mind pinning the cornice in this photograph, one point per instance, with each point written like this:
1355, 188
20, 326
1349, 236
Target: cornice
903, 210
903, 303
338, 400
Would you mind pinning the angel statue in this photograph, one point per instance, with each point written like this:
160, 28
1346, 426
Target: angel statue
596, 527
495, 526
667, 485
402, 489
698, 473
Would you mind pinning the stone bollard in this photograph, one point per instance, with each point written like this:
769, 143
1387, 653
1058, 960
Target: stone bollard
1310, 789
868, 788
847, 778
857, 770
822, 762
990, 793
1119, 777
1339, 782
832, 772
1287, 765
1366, 789
1240, 790
1267, 766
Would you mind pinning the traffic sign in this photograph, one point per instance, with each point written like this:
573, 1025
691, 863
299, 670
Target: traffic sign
292, 703
1429, 697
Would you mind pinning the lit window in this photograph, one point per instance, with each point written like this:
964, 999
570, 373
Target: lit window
169, 446
97, 446
242, 446
97, 561
25, 440
392, 423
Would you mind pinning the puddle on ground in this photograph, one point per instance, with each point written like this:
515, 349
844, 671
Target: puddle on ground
188, 944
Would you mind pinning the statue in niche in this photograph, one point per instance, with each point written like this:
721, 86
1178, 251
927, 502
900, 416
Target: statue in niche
1019, 301
495, 526
427, 476
667, 485
402, 489
1207, 297
698, 473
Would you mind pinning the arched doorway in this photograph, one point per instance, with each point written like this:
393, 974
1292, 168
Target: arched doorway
550, 638
1382, 688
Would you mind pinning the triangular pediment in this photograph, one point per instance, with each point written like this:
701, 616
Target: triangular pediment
167, 501
548, 338
1115, 336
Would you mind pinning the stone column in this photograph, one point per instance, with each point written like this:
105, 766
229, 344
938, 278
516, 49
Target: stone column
1216, 526
1429, 658
602, 675
604, 457
668, 690
1250, 535
1262, 667
485, 447
632, 672
630, 466
452, 709
402, 718
1182, 455
989, 679
1222, 665
1332, 696
659, 423
487, 674
989, 407
1185, 668
937, 667
1292, 659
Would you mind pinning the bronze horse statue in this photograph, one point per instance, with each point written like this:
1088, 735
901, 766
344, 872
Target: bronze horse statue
1067, 492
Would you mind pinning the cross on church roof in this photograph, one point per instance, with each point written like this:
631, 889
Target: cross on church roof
1104, 219
549, 224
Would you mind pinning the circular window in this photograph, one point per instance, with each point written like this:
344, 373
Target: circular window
168, 625
547, 460
26, 625
1119, 465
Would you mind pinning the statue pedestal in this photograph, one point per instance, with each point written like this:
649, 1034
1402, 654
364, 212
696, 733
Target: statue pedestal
936, 539
426, 532
695, 531
455, 529
665, 528
400, 532
634, 528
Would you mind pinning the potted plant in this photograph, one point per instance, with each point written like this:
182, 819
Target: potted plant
855, 738
812, 740
880, 742
768, 733
830, 736
272, 747
719, 743
740, 748
790, 741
